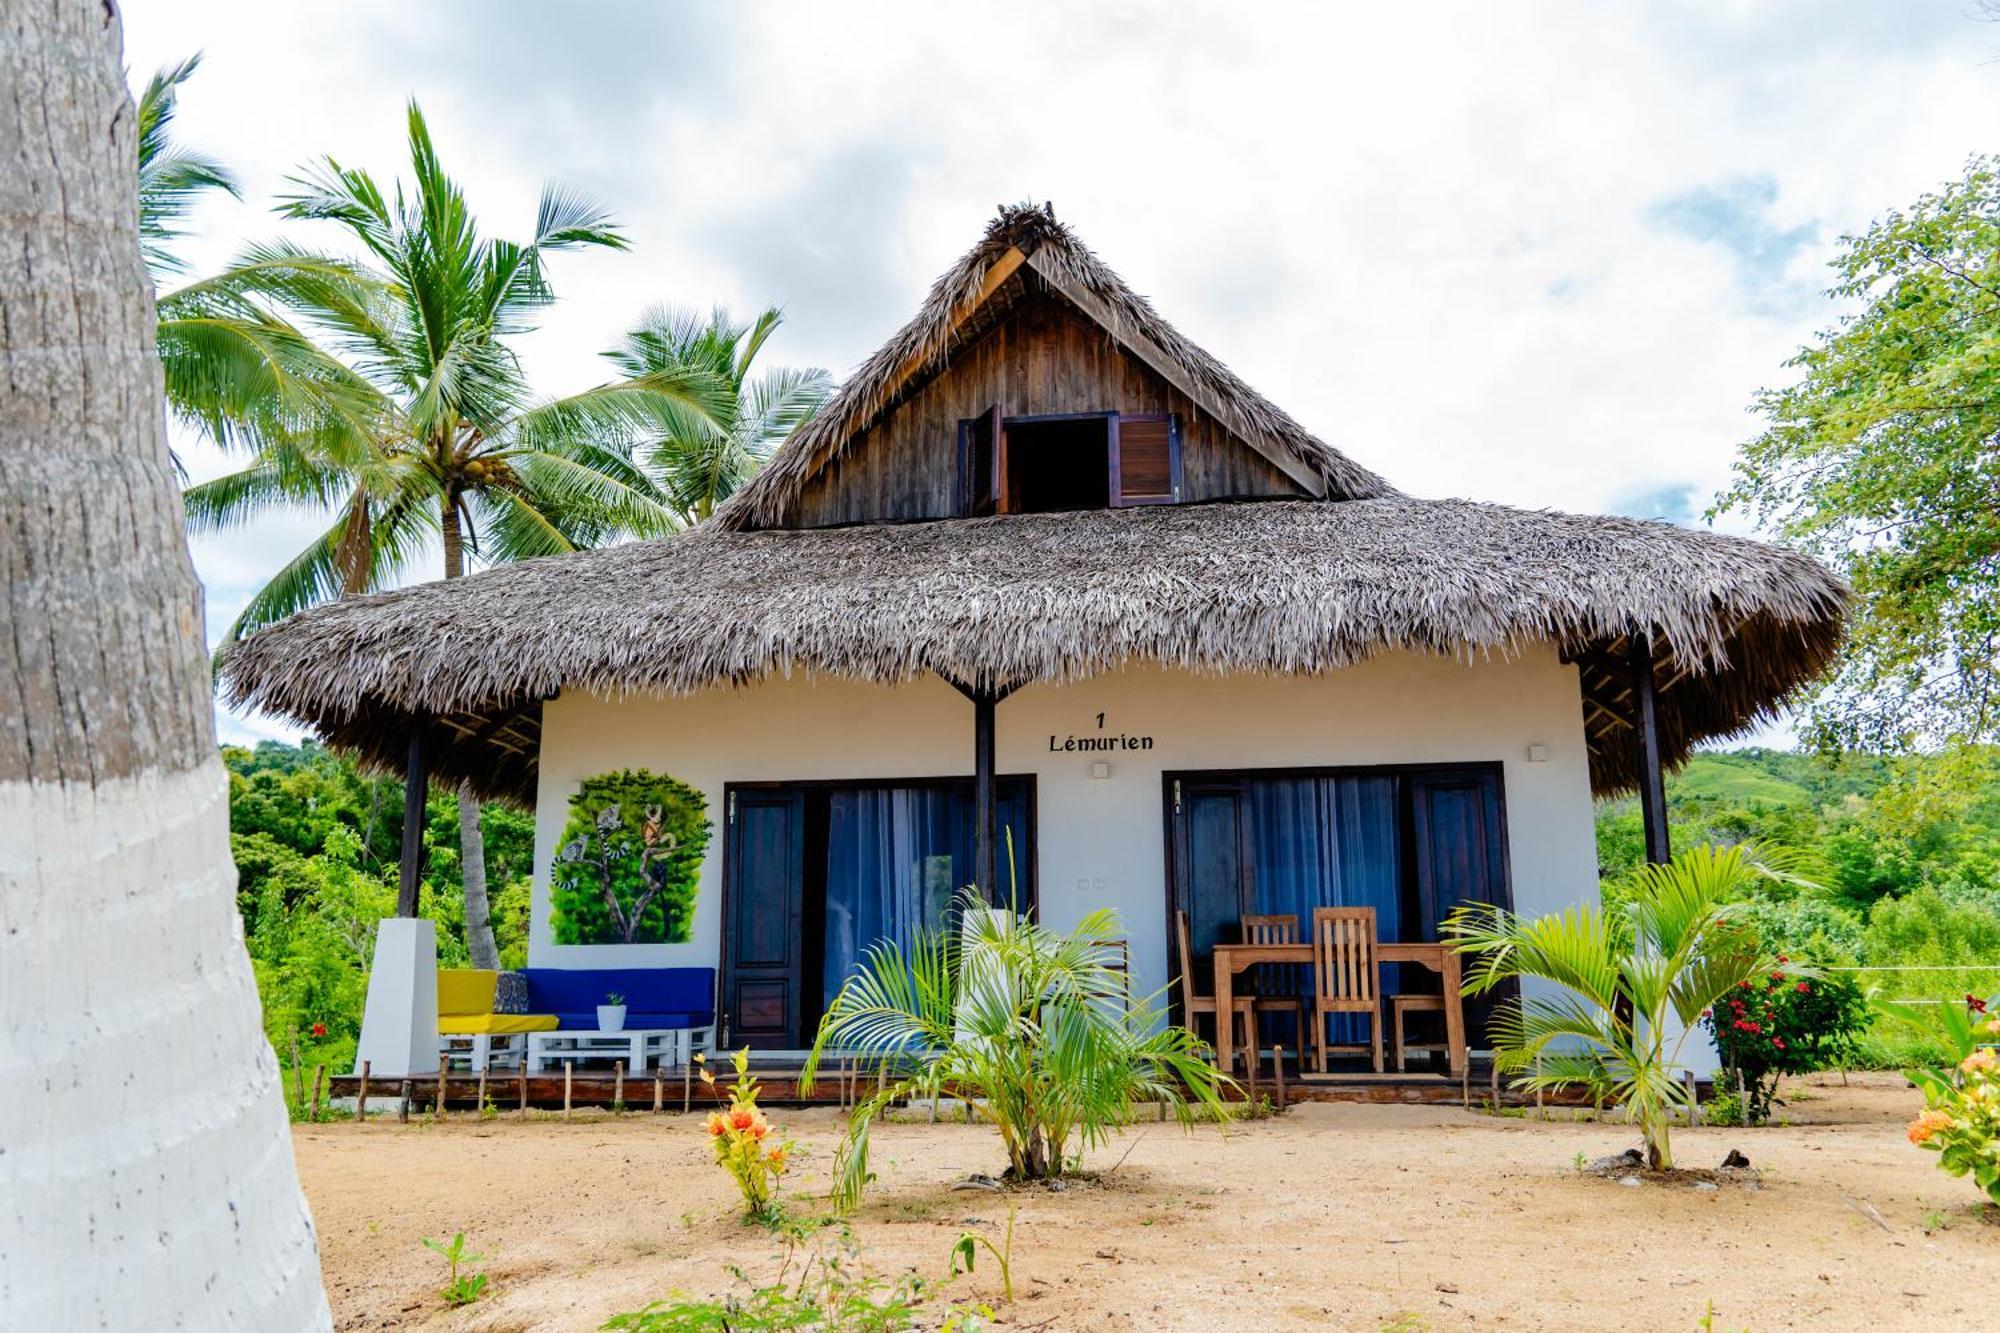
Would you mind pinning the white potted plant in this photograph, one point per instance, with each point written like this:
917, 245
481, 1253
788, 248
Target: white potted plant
611, 1014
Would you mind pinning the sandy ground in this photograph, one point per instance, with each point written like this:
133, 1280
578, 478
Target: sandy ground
1331, 1216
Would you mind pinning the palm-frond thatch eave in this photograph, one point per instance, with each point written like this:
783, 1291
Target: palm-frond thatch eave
1027, 238
1287, 587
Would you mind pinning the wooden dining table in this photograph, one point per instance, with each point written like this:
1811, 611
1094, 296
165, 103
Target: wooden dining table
1231, 959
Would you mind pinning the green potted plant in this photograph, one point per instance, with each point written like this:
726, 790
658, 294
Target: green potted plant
611, 1014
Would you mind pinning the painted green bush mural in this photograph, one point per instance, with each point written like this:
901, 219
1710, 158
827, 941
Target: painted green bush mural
626, 869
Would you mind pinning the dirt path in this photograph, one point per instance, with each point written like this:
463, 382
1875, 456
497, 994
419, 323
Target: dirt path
1347, 1217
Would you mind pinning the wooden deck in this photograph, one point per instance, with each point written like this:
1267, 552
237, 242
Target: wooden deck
509, 1090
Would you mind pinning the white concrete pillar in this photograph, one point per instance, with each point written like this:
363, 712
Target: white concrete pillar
399, 1028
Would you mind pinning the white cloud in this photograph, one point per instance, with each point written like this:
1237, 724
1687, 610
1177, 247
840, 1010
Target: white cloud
1435, 234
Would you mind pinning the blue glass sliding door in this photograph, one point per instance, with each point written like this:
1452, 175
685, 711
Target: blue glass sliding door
817, 873
895, 859
1411, 843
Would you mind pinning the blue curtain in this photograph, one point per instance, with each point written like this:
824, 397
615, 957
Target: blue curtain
1327, 842
896, 857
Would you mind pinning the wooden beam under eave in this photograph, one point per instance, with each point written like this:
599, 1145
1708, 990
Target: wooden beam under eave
1150, 352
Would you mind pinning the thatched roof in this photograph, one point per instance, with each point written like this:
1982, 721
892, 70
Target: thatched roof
1030, 238
1288, 586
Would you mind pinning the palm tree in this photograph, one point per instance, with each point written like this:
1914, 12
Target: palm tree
172, 179
119, 936
699, 459
417, 425
235, 369
1035, 1027
1636, 978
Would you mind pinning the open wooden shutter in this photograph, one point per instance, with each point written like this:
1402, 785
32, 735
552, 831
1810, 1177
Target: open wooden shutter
1145, 459
982, 462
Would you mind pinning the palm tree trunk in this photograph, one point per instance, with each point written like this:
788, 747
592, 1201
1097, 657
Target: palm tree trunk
471, 842
145, 1129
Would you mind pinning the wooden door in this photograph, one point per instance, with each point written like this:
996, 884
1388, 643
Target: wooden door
1459, 829
763, 979
1211, 869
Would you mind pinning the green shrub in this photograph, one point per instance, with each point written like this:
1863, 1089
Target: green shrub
627, 866
1782, 1022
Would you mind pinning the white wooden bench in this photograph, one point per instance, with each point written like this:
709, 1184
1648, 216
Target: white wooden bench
636, 1046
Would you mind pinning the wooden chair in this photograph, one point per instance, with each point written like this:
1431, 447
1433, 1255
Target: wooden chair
1401, 1005
1278, 988
1346, 976
1242, 1008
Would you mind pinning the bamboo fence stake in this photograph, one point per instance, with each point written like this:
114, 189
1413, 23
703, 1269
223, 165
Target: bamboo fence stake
1278, 1069
524, 1086
687, 1087
479, 1107
1250, 1062
319, 1083
403, 1106
1541, 1110
1496, 1083
361, 1098
569, 1071
1465, 1083
1694, 1098
659, 1088
443, 1087
617, 1086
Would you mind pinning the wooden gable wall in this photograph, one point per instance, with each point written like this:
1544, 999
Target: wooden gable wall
1039, 357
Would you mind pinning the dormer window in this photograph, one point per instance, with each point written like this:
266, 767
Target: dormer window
1065, 461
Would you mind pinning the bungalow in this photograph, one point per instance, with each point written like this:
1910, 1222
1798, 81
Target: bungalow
1048, 601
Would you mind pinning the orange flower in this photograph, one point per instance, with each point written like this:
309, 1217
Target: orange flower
1928, 1124
716, 1124
1983, 1058
741, 1117
758, 1131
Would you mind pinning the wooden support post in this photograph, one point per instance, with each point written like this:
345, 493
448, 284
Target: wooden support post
403, 1106
443, 1087
1694, 1098
416, 788
985, 825
1465, 1085
986, 867
569, 1072
319, 1087
361, 1097
479, 1106
1278, 1070
1250, 1062
524, 1086
617, 1086
687, 1087
1496, 1081
1541, 1111
1652, 778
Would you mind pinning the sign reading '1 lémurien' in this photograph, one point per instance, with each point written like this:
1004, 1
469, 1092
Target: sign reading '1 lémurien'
1103, 740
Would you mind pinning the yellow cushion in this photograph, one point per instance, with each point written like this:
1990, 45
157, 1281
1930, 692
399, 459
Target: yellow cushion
466, 990
463, 1025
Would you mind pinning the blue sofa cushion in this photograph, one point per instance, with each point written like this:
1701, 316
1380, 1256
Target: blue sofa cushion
655, 997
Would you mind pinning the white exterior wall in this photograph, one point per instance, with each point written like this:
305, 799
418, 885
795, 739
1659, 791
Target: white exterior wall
1396, 709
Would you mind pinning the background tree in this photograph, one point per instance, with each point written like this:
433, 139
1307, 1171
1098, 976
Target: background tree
417, 425
1883, 458
700, 458
116, 893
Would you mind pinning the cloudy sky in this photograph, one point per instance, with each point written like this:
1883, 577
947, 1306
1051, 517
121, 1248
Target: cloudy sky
1539, 253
